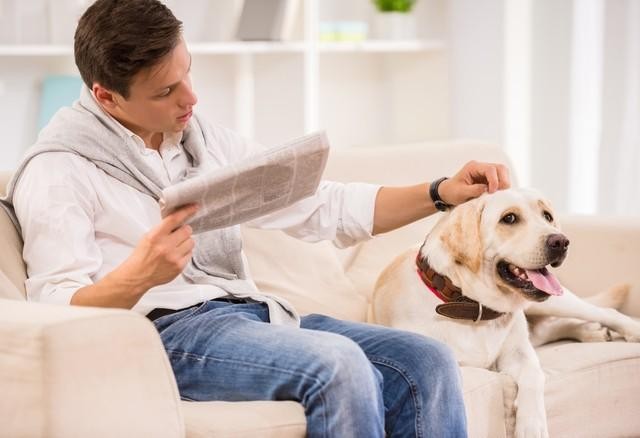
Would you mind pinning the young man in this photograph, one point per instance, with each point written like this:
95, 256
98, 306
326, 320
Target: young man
86, 199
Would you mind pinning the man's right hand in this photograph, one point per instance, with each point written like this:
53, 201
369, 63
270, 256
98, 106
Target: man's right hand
163, 252
159, 257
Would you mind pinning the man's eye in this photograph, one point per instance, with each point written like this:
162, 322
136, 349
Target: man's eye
165, 93
509, 219
548, 216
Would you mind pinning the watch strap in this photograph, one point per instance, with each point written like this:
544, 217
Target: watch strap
435, 196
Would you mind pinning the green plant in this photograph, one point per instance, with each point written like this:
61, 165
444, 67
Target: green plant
394, 5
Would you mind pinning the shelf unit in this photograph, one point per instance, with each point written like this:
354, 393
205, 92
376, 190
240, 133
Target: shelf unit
372, 91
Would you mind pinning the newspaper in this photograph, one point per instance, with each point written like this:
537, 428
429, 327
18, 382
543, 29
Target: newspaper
261, 184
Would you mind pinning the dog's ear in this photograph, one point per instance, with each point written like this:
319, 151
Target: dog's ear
461, 235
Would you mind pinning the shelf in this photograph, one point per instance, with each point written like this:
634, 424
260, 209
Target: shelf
251, 47
380, 46
35, 50
246, 47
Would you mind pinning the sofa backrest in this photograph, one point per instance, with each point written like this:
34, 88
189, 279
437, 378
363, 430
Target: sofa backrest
12, 269
321, 278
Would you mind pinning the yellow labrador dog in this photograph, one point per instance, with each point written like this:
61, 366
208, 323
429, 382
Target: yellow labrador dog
469, 285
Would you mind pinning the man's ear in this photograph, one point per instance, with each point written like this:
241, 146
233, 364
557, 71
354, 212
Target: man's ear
461, 235
106, 98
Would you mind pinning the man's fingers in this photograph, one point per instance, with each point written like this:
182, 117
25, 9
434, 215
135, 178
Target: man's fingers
476, 190
490, 174
179, 235
177, 218
503, 176
495, 175
186, 247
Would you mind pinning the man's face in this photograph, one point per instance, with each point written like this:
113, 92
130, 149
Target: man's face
160, 98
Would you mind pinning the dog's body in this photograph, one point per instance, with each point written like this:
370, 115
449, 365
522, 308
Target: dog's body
494, 250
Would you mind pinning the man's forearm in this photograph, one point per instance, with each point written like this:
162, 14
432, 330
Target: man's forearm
114, 290
399, 206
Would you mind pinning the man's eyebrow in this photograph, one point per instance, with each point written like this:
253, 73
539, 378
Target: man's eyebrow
176, 83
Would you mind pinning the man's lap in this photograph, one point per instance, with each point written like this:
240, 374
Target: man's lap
229, 351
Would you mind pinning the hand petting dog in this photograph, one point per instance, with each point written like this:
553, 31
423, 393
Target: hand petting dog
474, 179
399, 206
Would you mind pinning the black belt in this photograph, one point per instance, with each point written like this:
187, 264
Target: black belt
159, 312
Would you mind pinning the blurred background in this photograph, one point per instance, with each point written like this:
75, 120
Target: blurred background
554, 82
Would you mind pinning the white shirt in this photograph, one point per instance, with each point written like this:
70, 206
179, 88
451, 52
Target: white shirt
79, 224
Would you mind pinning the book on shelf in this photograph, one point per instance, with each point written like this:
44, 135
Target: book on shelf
267, 20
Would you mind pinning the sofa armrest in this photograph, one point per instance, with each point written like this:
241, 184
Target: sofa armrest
604, 251
78, 371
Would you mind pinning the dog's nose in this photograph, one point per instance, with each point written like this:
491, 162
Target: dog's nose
557, 245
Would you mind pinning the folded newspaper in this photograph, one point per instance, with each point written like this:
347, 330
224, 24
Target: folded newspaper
259, 185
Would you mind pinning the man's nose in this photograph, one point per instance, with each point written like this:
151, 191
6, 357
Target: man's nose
188, 97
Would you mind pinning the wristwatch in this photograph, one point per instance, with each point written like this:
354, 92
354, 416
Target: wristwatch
435, 196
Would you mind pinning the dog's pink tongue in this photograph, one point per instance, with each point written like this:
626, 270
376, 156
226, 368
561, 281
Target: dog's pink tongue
546, 282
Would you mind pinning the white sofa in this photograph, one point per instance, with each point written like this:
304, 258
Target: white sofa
78, 372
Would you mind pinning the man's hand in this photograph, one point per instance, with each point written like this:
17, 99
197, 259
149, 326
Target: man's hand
159, 257
473, 180
163, 252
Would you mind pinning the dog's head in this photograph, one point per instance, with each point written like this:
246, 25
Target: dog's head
497, 248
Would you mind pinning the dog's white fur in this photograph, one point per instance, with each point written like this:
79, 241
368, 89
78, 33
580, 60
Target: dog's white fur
466, 246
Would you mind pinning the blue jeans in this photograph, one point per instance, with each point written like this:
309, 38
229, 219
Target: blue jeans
353, 379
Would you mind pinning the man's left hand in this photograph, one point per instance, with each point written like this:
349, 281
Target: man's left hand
473, 180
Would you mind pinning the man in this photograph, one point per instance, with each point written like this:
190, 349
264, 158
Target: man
86, 199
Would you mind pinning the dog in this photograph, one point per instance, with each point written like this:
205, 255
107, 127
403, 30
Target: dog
482, 267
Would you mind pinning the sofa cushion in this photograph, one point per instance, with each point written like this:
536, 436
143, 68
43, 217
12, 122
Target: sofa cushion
596, 385
12, 269
268, 419
308, 275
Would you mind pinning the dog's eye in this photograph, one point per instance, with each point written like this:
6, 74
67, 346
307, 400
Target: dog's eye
548, 216
509, 219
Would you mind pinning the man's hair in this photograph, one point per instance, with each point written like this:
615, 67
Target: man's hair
116, 39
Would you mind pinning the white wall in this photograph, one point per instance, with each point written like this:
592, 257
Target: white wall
577, 94
476, 32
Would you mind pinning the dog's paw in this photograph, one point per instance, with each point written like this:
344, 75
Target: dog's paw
631, 336
531, 427
592, 332
630, 331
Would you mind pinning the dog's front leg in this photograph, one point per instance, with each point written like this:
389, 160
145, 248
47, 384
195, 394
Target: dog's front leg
570, 305
518, 359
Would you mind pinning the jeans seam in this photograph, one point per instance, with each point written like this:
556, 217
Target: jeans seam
412, 387
267, 367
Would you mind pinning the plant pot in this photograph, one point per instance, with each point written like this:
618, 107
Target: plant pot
395, 26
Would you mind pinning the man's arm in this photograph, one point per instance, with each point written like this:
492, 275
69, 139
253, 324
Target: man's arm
159, 257
399, 206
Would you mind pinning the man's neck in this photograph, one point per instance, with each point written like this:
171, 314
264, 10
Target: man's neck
154, 141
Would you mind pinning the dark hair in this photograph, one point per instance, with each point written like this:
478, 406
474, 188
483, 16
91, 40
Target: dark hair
116, 39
